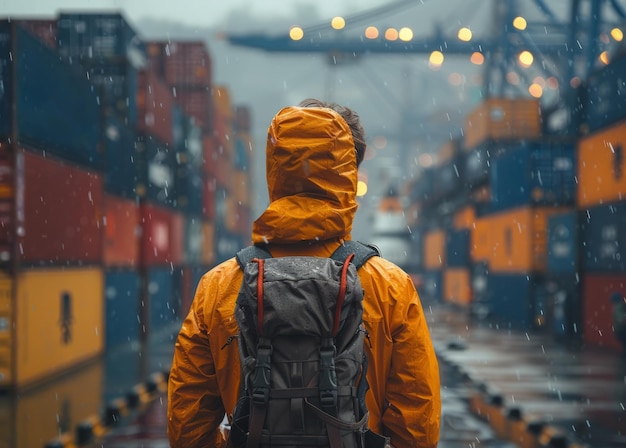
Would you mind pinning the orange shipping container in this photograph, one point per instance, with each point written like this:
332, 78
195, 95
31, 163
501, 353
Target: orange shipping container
241, 185
58, 323
514, 241
208, 243
177, 238
434, 249
121, 232
222, 103
456, 286
602, 166
502, 119
465, 218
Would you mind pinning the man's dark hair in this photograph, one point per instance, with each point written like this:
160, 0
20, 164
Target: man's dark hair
352, 119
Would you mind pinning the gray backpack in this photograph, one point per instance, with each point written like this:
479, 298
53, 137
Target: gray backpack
301, 351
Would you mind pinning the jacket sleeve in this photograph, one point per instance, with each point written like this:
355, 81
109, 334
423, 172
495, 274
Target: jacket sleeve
413, 404
195, 408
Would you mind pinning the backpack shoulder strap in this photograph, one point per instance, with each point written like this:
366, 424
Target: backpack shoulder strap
362, 252
247, 254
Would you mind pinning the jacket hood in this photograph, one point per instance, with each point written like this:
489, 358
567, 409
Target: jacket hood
311, 178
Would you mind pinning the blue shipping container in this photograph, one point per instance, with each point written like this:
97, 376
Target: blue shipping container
120, 176
603, 234
563, 243
432, 286
56, 108
116, 84
538, 173
517, 300
122, 299
605, 94
458, 248
162, 297
448, 177
564, 307
156, 167
422, 188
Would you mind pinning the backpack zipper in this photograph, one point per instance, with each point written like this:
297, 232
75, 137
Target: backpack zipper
229, 341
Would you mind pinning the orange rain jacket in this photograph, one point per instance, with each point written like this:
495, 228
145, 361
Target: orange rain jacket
312, 179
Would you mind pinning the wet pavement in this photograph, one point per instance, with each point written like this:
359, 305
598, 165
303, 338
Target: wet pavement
500, 388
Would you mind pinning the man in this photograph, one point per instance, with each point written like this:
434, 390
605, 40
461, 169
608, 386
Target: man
312, 157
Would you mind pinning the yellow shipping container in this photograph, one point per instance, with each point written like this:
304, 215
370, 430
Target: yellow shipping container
434, 249
602, 166
57, 317
502, 119
457, 286
37, 416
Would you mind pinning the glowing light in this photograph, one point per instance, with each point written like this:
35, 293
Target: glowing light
405, 34
539, 81
465, 34
512, 78
436, 59
575, 82
371, 32
526, 58
456, 79
535, 90
617, 34
425, 160
552, 83
338, 23
380, 142
520, 23
477, 58
391, 34
296, 33
361, 188
604, 57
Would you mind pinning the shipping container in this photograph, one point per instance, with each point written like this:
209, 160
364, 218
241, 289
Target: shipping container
209, 200
517, 300
46, 103
98, 37
464, 218
157, 229
121, 231
222, 103
502, 119
564, 307
209, 246
434, 249
448, 177
181, 63
155, 108
602, 166
564, 243
603, 237
228, 243
177, 238
598, 290
478, 162
457, 286
120, 158
538, 173
44, 29
196, 102
194, 243
241, 185
514, 241
458, 248
603, 89
33, 417
156, 167
116, 84
243, 151
422, 188
58, 323
242, 120
122, 296
431, 290
162, 303
46, 236
480, 307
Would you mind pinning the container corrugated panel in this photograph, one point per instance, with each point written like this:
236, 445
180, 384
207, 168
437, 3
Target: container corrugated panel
605, 92
89, 37
465, 218
161, 297
458, 248
57, 406
177, 238
7, 307
513, 299
238, 217
185, 63
60, 322
209, 204
457, 286
227, 243
603, 235
155, 105
502, 119
480, 240
196, 102
60, 211
121, 231
208, 243
44, 29
541, 173
120, 158
434, 249
7, 208
223, 134
189, 190
415, 251
56, 105
116, 83
222, 103
192, 144
598, 309
563, 243
193, 240
448, 177
241, 185
156, 244
479, 280
432, 287
243, 149
565, 307
122, 294
602, 166
422, 188
156, 166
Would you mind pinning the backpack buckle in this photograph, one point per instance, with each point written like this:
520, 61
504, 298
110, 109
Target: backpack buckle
328, 378
261, 383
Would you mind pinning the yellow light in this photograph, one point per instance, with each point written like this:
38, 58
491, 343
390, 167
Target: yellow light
361, 188
604, 57
477, 58
526, 58
617, 34
520, 23
371, 32
465, 34
405, 34
535, 90
296, 33
338, 23
391, 34
436, 58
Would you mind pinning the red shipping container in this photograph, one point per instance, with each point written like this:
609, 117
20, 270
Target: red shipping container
156, 235
121, 236
185, 63
598, 309
209, 155
177, 238
195, 102
155, 104
210, 187
59, 211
